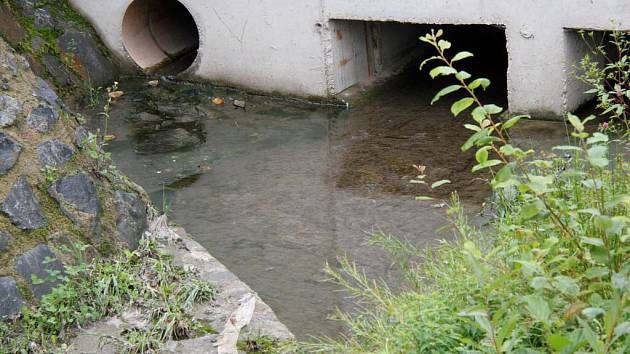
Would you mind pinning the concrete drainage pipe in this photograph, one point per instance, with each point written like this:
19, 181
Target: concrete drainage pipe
160, 35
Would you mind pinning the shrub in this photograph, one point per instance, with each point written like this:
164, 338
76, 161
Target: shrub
549, 276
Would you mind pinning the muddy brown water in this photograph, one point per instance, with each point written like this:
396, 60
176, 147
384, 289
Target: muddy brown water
277, 189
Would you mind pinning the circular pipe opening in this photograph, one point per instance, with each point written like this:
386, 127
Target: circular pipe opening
160, 35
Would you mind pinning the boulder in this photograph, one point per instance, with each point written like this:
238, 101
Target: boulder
42, 118
5, 239
39, 261
131, 219
22, 207
9, 109
9, 153
77, 198
12, 299
100, 71
54, 153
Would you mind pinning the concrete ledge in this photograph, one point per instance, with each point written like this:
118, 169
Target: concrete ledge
192, 256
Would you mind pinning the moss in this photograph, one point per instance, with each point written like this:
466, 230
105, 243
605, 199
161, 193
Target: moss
26, 292
106, 247
62, 11
262, 344
204, 327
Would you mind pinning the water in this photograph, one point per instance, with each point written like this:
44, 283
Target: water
278, 189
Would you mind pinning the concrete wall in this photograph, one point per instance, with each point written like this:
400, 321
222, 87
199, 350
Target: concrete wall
278, 45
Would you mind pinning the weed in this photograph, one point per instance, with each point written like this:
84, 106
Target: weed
145, 280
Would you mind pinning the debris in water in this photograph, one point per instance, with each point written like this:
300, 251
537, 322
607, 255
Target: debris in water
219, 101
239, 103
153, 83
109, 137
116, 94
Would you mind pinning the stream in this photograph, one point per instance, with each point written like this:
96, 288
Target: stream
278, 188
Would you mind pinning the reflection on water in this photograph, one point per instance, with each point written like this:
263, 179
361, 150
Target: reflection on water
277, 190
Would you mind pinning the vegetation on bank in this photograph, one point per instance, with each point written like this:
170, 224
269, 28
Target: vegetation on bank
144, 280
551, 272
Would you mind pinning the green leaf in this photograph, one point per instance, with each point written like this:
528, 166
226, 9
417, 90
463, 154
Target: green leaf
538, 308
596, 272
622, 329
462, 75
620, 282
591, 211
478, 114
484, 83
482, 154
558, 342
504, 174
597, 156
575, 122
462, 55
532, 209
597, 138
592, 241
445, 91
440, 183
443, 44
442, 70
493, 109
510, 123
566, 285
486, 164
592, 312
461, 105
473, 139
620, 199
507, 149
472, 127
424, 62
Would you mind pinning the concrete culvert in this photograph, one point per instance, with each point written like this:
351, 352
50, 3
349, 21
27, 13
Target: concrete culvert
160, 35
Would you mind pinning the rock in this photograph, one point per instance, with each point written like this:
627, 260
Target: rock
44, 92
166, 141
147, 118
11, 297
39, 262
100, 71
43, 19
54, 153
9, 152
10, 28
42, 118
186, 119
5, 87
131, 219
22, 207
57, 70
9, 61
239, 103
77, 198
9, 109
5, 239
80, 136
